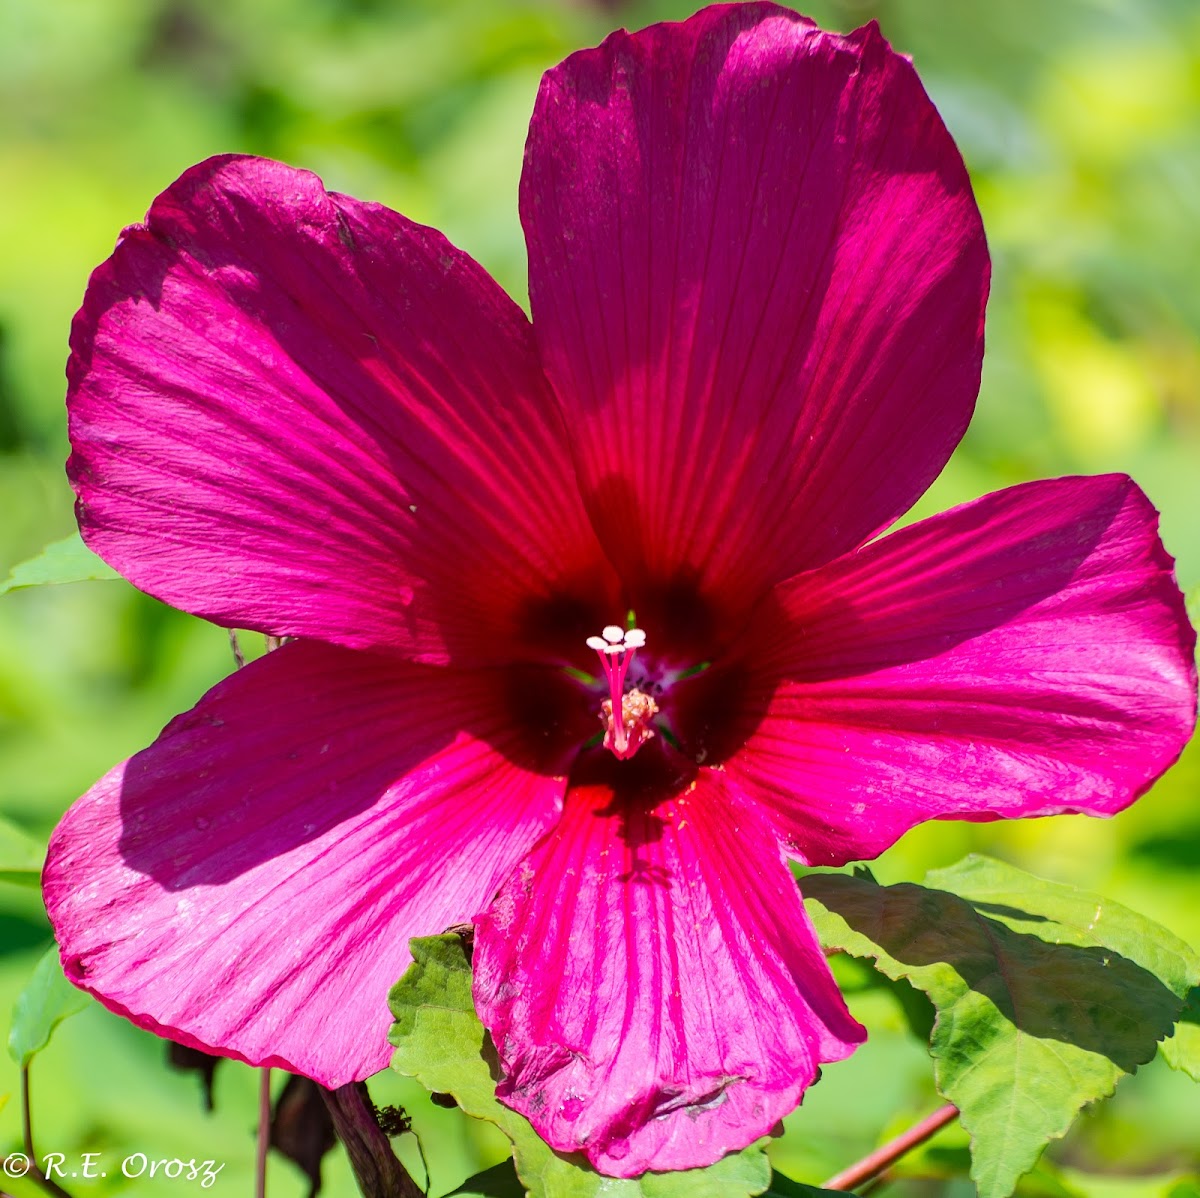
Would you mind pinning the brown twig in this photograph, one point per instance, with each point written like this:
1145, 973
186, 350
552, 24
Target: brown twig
239, 658
376, 1169
884, 1158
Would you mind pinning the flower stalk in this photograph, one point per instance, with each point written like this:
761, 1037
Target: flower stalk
884, 1158
35, 1172
264, 1134
376, 1168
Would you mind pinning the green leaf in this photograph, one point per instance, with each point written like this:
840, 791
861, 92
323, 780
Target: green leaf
21, 856
440, 1041
68, 560
48, 999
1182, 1050
500, 1181
1046, 996
945, 1164
785, 1187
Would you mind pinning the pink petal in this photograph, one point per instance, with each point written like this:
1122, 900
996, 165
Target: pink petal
758, 277
248, 884
1024, 654
297, 412
651, 981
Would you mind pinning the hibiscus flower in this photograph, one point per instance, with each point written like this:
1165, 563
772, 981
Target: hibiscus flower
592, 629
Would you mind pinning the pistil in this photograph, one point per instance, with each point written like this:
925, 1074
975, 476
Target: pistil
626, 717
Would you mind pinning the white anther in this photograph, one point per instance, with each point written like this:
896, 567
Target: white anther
614, 642
626, 716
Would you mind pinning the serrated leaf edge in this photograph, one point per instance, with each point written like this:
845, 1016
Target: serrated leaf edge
1186, 957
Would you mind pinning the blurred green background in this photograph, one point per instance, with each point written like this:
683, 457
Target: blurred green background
1081, 124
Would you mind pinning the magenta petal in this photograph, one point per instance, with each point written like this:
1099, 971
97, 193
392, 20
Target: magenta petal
758, 278
1024, 654
249, 883
302, 413
651, 981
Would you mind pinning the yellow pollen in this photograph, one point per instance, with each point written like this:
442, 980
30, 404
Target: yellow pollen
638, 710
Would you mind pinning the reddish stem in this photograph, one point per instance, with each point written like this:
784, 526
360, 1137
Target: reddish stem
885, 1157
264, 1134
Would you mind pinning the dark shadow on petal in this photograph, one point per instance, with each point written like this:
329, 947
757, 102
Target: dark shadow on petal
815, 628
684, 622
713, 713
274, 758
837, 634
556, 626
631, 792
375, 376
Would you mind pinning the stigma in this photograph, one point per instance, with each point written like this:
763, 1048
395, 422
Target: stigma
627, 716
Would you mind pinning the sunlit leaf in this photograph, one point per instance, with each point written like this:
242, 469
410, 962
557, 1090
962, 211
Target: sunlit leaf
20, 856
1182, 1050
68, 560
1193, 605
1046, 996
500, 1181
947, 1164
440, 1041
48, 999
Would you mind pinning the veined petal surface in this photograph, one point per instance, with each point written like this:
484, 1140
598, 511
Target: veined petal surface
249, 883
1024, 654
298, 412
655, 991
758, 277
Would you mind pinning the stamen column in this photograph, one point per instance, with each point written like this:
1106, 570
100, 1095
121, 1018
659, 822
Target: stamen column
627, 716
